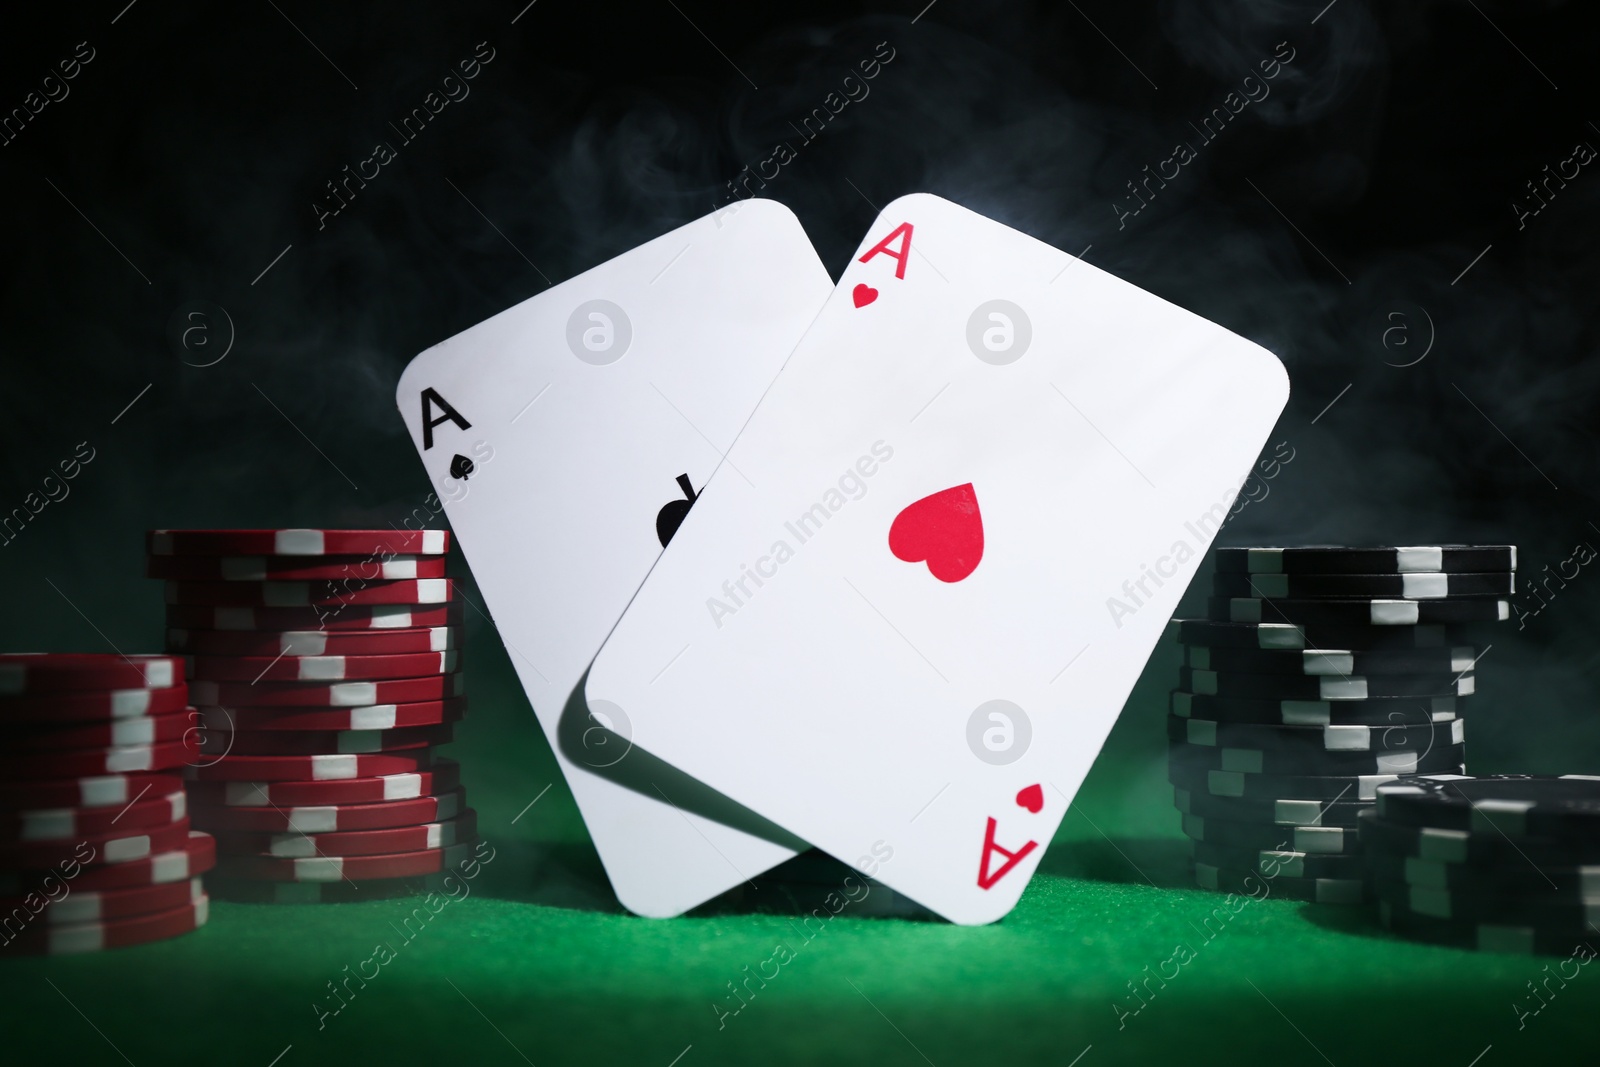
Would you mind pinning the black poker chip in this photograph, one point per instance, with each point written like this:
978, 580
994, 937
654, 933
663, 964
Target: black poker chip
1366, 611
1340, 559
1260, 886
1312, 840
1324, 687
1483, 904
1200, 781
1379, 711
1560, 881
1275, 861
1483, 847
1564, 807
1314, 739
1553, 939
1338, 663
1438, 759
1275, 634
1421, 585
1276, 812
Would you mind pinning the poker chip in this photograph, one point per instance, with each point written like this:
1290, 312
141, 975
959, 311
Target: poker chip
1358, 612
371, 717
1374, 711
443, 776
1569, 883
339, 593
35, 673
116, 733
1288, 760
313, 642
284, 668
1553, 939
1319, 840
1316, 738
120, 846
1473, 906
101, 791
60, 824
247, 892
1284, 636
91, 906
316, 768
386, 841
1342, 663
1411, 585
192, 859
339, 868
1473, 846
1295, 687
1565, 807
1255, 884
365, 543
1199, 781
1338, 559
1277, 812
329, 818
50, 940
92, 705
82, 762
331, 694
1277, 862
332, 619
311, 742
293, 568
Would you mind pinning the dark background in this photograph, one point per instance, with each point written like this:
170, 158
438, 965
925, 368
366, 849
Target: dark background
1335, 223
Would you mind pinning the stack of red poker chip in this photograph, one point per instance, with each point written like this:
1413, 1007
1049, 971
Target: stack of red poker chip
96, 850
326, 672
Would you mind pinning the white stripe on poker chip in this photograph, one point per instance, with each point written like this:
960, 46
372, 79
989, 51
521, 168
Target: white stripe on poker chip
1394, 612
297, 543
100, 791
1201, 732
1347, 738
1198, 656
1493, 938
1265, 560
50, 824
1182, 704
1315, 662
1419, 558
161, 542
124, 849
402, 786
126, 703
1398, 762
1292, 864
1329, 688
1509, 817
1305, 712
433, 541
129, 759
1442, 846
1204, 682
1279, 635
285, 594
1297, 812
333, 767
1320, 840
1224, 784
433, 590
1244, 609
319, 869
1245, 760
1424, 586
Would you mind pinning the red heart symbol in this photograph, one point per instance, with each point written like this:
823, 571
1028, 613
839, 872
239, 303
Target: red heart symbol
863, 295
944, 529
1031, 798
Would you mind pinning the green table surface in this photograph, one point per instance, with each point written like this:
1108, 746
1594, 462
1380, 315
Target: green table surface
540, 965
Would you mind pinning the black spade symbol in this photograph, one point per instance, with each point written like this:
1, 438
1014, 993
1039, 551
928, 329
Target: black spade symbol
670, 517
461, 467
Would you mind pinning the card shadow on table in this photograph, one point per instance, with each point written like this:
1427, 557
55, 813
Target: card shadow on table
1159, 861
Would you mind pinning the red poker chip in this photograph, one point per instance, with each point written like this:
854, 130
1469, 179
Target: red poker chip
140, 730
339, 868
83, 762
443, 776
335, 618
248, 892
393, 839
110, 790
340, 593
330, 818
255, 669
333, 694
152, 811
90, 906
373, 568
313, 642
312, 742
297, 542
92, 705
120, 846
195, 857
49, 672
322, 768
371, 717
50, 940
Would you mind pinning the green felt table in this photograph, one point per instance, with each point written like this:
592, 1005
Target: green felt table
539, 965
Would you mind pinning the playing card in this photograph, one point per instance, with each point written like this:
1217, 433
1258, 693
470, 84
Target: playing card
567, 438
910, 604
